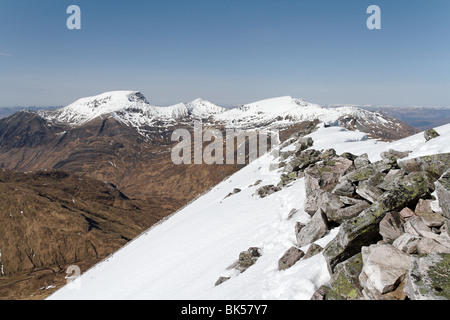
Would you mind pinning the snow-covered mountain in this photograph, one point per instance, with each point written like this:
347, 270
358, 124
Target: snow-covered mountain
182, 257
132, 108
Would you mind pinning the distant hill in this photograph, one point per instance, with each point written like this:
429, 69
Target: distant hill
6, 112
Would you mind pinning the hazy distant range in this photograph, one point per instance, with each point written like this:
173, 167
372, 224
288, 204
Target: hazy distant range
422, 118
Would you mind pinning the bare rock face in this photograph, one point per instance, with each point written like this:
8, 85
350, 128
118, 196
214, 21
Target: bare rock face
289, 258
431, 219
430, 134
384, 268
313, 230
391, 227
443, 194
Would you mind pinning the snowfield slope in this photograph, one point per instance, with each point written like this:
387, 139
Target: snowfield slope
182, 257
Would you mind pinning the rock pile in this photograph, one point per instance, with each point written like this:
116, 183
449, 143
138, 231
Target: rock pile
393, 241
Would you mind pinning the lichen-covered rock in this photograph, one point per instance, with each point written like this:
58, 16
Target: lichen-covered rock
313, 230
289, 258
313, 250
362, 161
348, 212
430, 134
303, 160
326, 293
267, 190
364, 173
428, 277
247, 258
392, 155
443, 194
363, 230
391, 178
435, 165
344, 188
345, 280
323, 177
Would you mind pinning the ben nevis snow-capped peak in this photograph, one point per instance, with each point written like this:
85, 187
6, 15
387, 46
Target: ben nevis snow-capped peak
133, 109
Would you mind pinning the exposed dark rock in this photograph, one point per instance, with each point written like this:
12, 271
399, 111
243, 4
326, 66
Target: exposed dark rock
221, 280
267, 190
313, 250
289, 258
430, 134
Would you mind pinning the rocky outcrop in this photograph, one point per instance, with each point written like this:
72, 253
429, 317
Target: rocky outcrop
430, 134
391, 231
289, 258
443, 194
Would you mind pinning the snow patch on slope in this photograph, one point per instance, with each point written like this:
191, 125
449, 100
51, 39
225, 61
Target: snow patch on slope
182, 257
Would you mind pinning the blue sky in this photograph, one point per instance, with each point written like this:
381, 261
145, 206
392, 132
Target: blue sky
227, 51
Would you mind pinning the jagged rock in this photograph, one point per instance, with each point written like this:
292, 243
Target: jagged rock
384, 268
313, 230
349, 201
247, 259
363, 230
392, 156
276, 166
329, 203
431, 219
286, 154
368, 192
313, 250
407, 243
366, 172
303, 160
443, 194
435, 165
298, 227
430, 134
348, 212
323, 177
344, 188
406, 213
362, 161
391, 227
326, 293
345, 280
289, 258
390, 179
303, 144
428, 245
349, 156
267, 190
327, 154
417, 227
428, 277
221, 280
